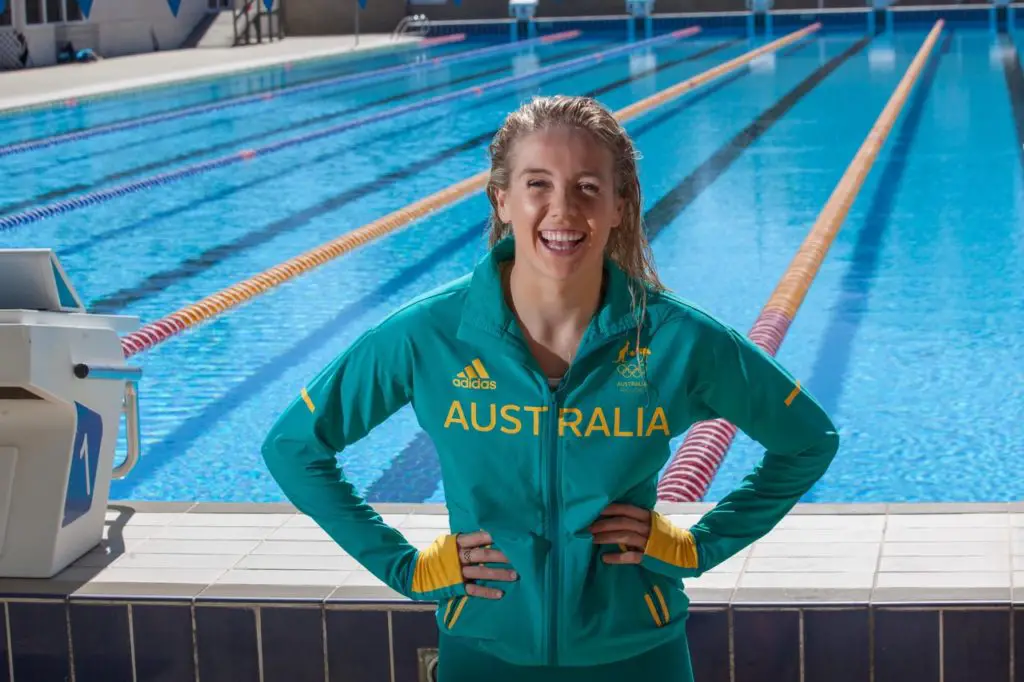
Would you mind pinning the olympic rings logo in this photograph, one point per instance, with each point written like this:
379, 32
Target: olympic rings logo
631, 371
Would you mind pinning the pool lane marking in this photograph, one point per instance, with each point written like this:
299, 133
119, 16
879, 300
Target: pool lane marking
374, 76
542, 74
828, 374
415, 468
416, 463
694, 465
291, 127
159, 330
1014, 76
194, 266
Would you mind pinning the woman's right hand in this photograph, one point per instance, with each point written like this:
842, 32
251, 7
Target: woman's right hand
473, 553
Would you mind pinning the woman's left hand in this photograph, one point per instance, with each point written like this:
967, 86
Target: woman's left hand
624, 525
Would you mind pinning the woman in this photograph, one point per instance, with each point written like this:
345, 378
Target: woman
551, 380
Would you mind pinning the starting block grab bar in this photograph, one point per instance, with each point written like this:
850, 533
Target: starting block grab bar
131, 377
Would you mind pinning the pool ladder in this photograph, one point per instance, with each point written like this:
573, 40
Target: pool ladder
417, 24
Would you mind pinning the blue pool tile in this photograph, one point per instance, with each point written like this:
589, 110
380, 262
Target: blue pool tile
5, 661
899, 632
358, 646
411, 631
767, 645
708, 636
163, 642
100, 642
293, 643
837, 645
976, 645
39, 640
226, 643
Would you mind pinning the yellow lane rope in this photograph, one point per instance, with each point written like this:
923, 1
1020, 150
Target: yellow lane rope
792, 288
689, 474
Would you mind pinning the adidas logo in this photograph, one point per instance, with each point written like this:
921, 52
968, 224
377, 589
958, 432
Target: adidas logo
475, 376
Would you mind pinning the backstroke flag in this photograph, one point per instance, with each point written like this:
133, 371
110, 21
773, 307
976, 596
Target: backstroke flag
84, 5
174, 5
3, 6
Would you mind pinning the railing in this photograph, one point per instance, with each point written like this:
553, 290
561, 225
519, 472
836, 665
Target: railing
252, 29
416, 24
13, 49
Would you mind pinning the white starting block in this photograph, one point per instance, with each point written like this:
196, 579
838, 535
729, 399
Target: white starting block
63, 386
640, 9
523, 11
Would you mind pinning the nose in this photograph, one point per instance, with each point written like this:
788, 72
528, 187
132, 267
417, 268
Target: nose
563, 203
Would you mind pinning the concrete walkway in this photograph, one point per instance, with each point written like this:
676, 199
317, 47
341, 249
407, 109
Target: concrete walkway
818, 554
32, 87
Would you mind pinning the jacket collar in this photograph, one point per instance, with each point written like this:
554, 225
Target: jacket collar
486, 311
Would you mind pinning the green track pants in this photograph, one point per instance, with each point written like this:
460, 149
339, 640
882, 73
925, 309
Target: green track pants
458, 662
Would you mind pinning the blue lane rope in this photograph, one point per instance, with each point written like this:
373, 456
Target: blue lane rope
379, 74
93, 198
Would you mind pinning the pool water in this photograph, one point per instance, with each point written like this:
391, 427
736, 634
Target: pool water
912, 335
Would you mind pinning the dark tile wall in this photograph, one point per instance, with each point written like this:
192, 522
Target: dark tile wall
164, 650
358, 646
363, 642
766, 643
100, 640
292, 641
837, 645
5, 661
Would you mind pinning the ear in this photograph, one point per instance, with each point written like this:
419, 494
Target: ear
501, 197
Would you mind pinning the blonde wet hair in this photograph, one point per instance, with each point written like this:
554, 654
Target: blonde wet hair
627, 245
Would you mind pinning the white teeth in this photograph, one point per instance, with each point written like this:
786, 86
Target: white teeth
562, 235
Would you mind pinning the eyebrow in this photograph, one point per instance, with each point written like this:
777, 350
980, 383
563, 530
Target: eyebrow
586, 173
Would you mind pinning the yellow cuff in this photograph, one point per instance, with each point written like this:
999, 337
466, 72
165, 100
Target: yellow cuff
670, 544
437, 566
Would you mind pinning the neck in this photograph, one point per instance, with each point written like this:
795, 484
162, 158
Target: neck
554, 314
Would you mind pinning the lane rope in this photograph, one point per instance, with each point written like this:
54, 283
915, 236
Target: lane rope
287, 91
67, 205
160, 330
695, 464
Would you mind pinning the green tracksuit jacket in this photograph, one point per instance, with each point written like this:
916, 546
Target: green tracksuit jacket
534, 466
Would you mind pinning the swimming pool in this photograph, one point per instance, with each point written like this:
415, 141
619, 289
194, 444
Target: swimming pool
912, 336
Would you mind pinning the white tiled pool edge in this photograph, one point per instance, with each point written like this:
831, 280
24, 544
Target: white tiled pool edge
819, 554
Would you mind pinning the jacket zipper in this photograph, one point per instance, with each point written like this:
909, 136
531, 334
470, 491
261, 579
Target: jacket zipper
554, 528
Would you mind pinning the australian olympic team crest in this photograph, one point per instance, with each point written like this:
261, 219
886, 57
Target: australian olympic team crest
631, 366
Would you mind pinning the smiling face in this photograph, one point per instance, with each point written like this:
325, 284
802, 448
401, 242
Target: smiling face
561, 202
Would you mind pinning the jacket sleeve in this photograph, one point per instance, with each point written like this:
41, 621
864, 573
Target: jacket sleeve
733, 379
361, 388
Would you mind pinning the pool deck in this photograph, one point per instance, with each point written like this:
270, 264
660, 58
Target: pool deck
211, 592
862, 554
38, 86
